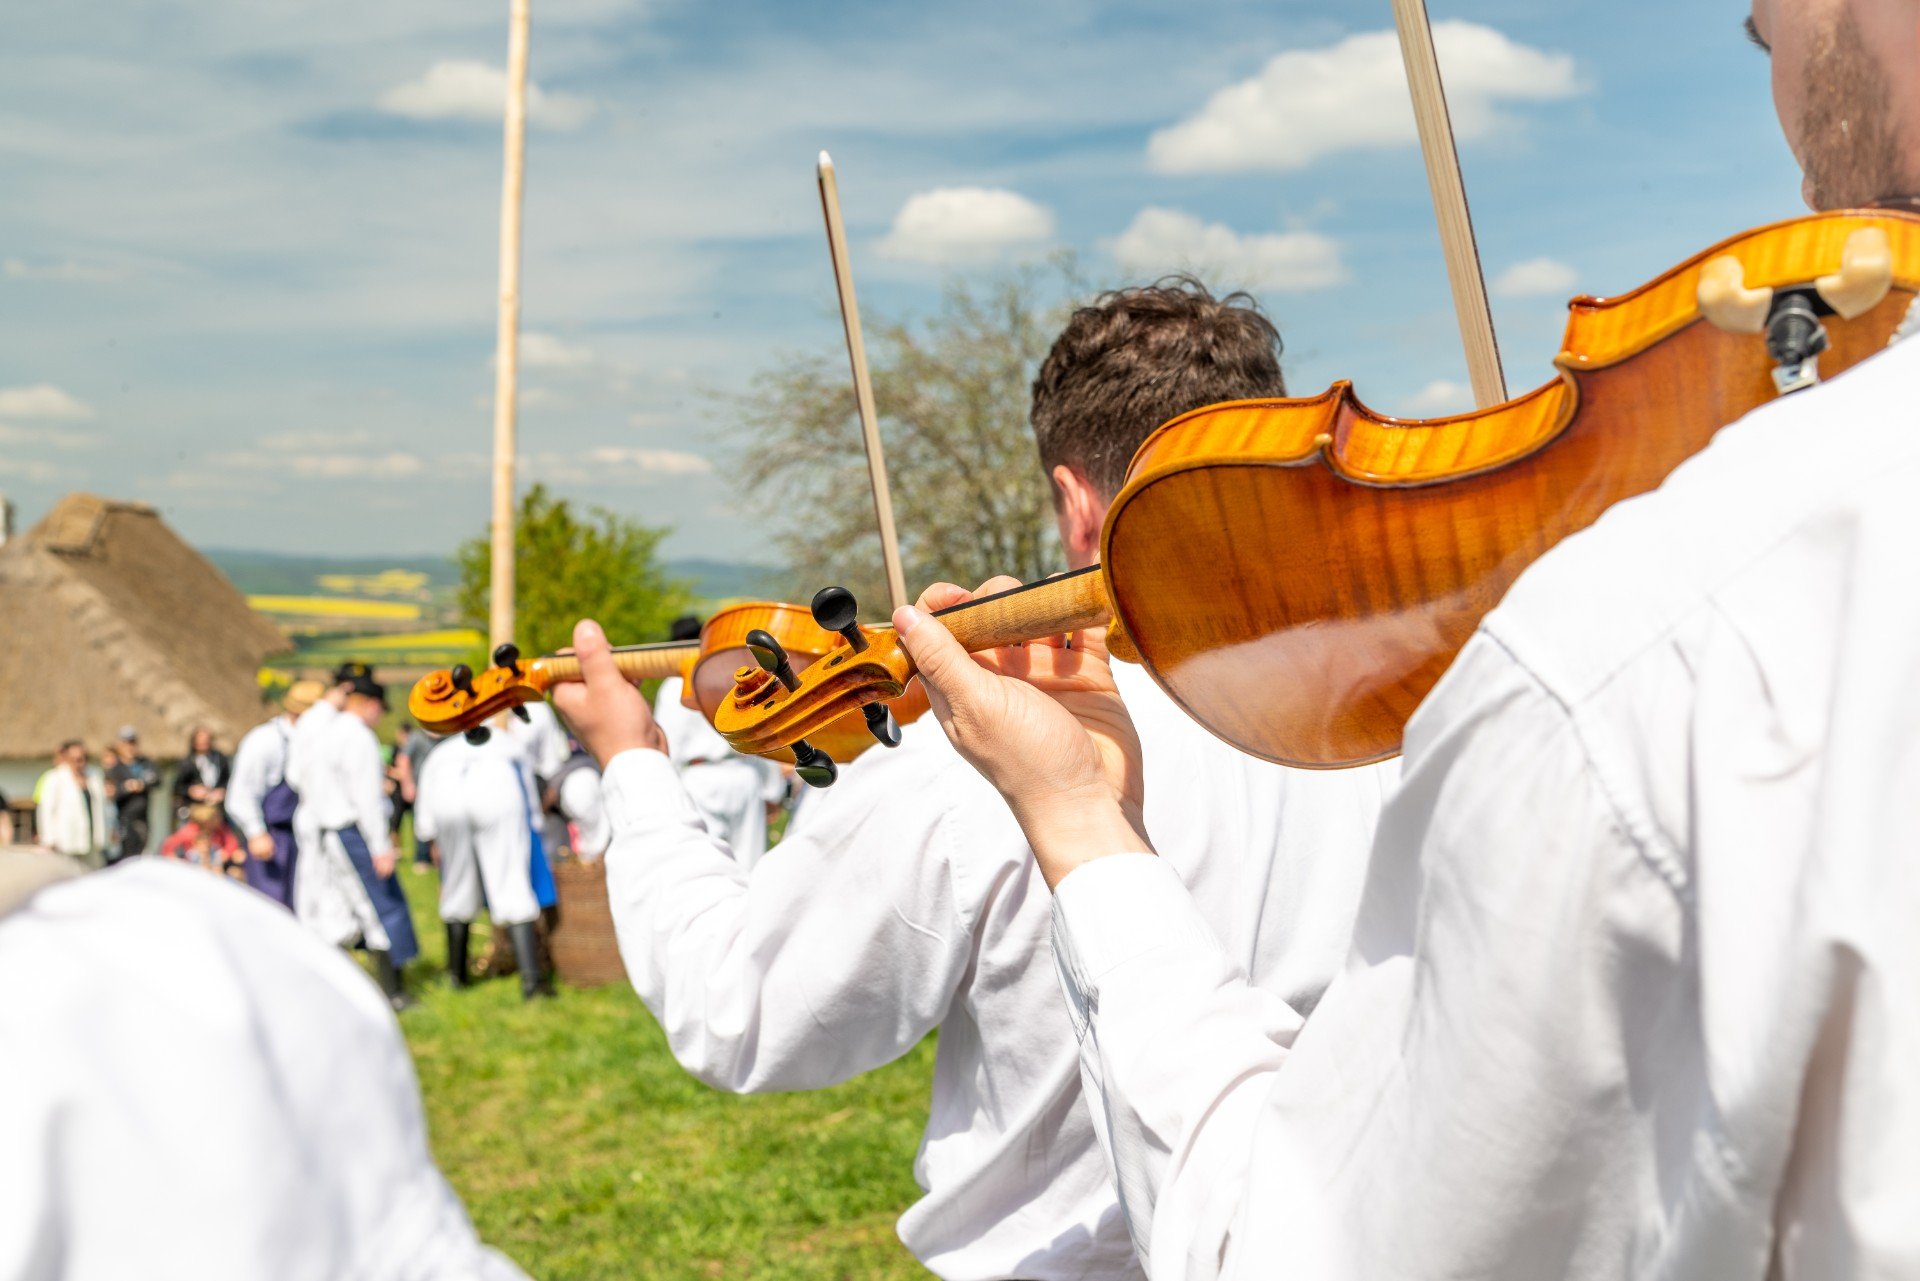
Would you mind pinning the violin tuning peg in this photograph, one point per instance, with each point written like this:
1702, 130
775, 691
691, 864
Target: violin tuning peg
462, 678
525, 717
772, 656
478, 735
508, 656
815, 767
835, 609
881, 725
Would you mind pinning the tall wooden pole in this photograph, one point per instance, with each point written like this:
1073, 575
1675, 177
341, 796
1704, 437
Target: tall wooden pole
1450, 202
506, 378
862, 383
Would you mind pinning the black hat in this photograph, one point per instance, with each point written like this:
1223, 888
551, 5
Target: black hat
367, 687
684, 628
351, 671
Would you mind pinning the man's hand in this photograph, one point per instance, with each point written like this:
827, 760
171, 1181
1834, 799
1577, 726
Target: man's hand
383, 864
1044, 724
261, 846
604, 712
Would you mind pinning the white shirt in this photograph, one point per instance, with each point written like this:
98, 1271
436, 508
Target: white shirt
259, 764
346, 784
690, 740
303, 749
198, 1089
906, 899
1636, 983
540, 738
582, 803
72, 813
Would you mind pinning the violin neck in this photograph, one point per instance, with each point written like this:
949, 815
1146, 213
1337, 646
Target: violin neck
636, 663
1050, 607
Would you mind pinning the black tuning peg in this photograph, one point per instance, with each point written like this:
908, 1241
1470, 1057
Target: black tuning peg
526, 717
772, 656
815, 767
462, 677
478, 735
835, 609
881, 725
508, 656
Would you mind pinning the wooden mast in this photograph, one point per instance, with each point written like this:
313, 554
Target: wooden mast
507, 351
1450, 202
862, 384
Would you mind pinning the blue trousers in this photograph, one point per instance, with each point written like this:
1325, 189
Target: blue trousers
389, 900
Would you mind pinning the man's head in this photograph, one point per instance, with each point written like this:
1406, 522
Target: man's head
685, 628
129, 742
1846, 83
72, 753
367, 699
1124, 365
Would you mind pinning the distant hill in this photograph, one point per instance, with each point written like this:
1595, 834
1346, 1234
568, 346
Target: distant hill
278, 574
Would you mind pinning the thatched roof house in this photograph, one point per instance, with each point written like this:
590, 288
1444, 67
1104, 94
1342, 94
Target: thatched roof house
107, 619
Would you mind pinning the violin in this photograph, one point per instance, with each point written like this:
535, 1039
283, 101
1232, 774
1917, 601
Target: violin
776, 634
1298, 573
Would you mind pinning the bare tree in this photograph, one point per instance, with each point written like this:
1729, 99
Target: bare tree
952, 395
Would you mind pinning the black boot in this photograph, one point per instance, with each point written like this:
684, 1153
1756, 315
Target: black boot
457, 953
390, 981
526, 952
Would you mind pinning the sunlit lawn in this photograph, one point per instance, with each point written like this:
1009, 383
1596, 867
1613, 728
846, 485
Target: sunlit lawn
582, 1150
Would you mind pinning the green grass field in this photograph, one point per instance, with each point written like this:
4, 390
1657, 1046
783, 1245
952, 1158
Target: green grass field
584, 1151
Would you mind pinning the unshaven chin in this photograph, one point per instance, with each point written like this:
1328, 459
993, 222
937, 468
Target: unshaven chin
1848, 134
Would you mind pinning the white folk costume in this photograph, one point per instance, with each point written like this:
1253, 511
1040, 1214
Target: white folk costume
348, 791
584, 805
471, 806
71, 817
730, 789
905, 900
259, 769
1636, 981
327, 894
196, 1087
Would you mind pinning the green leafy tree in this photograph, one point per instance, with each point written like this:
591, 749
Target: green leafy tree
573, 565
952, 394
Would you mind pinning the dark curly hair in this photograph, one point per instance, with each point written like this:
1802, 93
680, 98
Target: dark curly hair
1136, 358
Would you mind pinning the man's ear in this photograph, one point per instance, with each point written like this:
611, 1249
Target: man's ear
1080, 512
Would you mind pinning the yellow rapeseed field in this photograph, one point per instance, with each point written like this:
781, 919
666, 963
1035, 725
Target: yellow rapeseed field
335, 607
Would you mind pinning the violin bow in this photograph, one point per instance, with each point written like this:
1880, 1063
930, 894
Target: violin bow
862, 382
1450, 202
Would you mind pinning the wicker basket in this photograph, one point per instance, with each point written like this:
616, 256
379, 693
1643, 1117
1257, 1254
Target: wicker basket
585, 951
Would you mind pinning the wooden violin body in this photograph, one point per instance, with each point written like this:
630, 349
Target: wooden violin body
1298, 573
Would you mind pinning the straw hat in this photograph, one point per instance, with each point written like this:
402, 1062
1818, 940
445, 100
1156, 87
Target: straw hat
301, 696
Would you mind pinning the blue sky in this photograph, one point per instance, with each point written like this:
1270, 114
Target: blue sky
248, 251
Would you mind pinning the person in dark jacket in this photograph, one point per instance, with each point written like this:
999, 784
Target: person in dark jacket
202, 776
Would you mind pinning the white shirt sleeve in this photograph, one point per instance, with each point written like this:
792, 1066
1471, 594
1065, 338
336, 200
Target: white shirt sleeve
837, 953
252, 776
366, 780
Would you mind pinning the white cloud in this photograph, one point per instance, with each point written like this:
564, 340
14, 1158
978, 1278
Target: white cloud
966, 225
323, 466
545, 351
1442, 397
43, 401
1310, 103
1537, 278
58, 437
1163, 240
66, 272
611, 463
28, 469
462, 89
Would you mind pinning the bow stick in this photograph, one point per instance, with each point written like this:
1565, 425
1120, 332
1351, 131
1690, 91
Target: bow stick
1450, 202
862, 383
